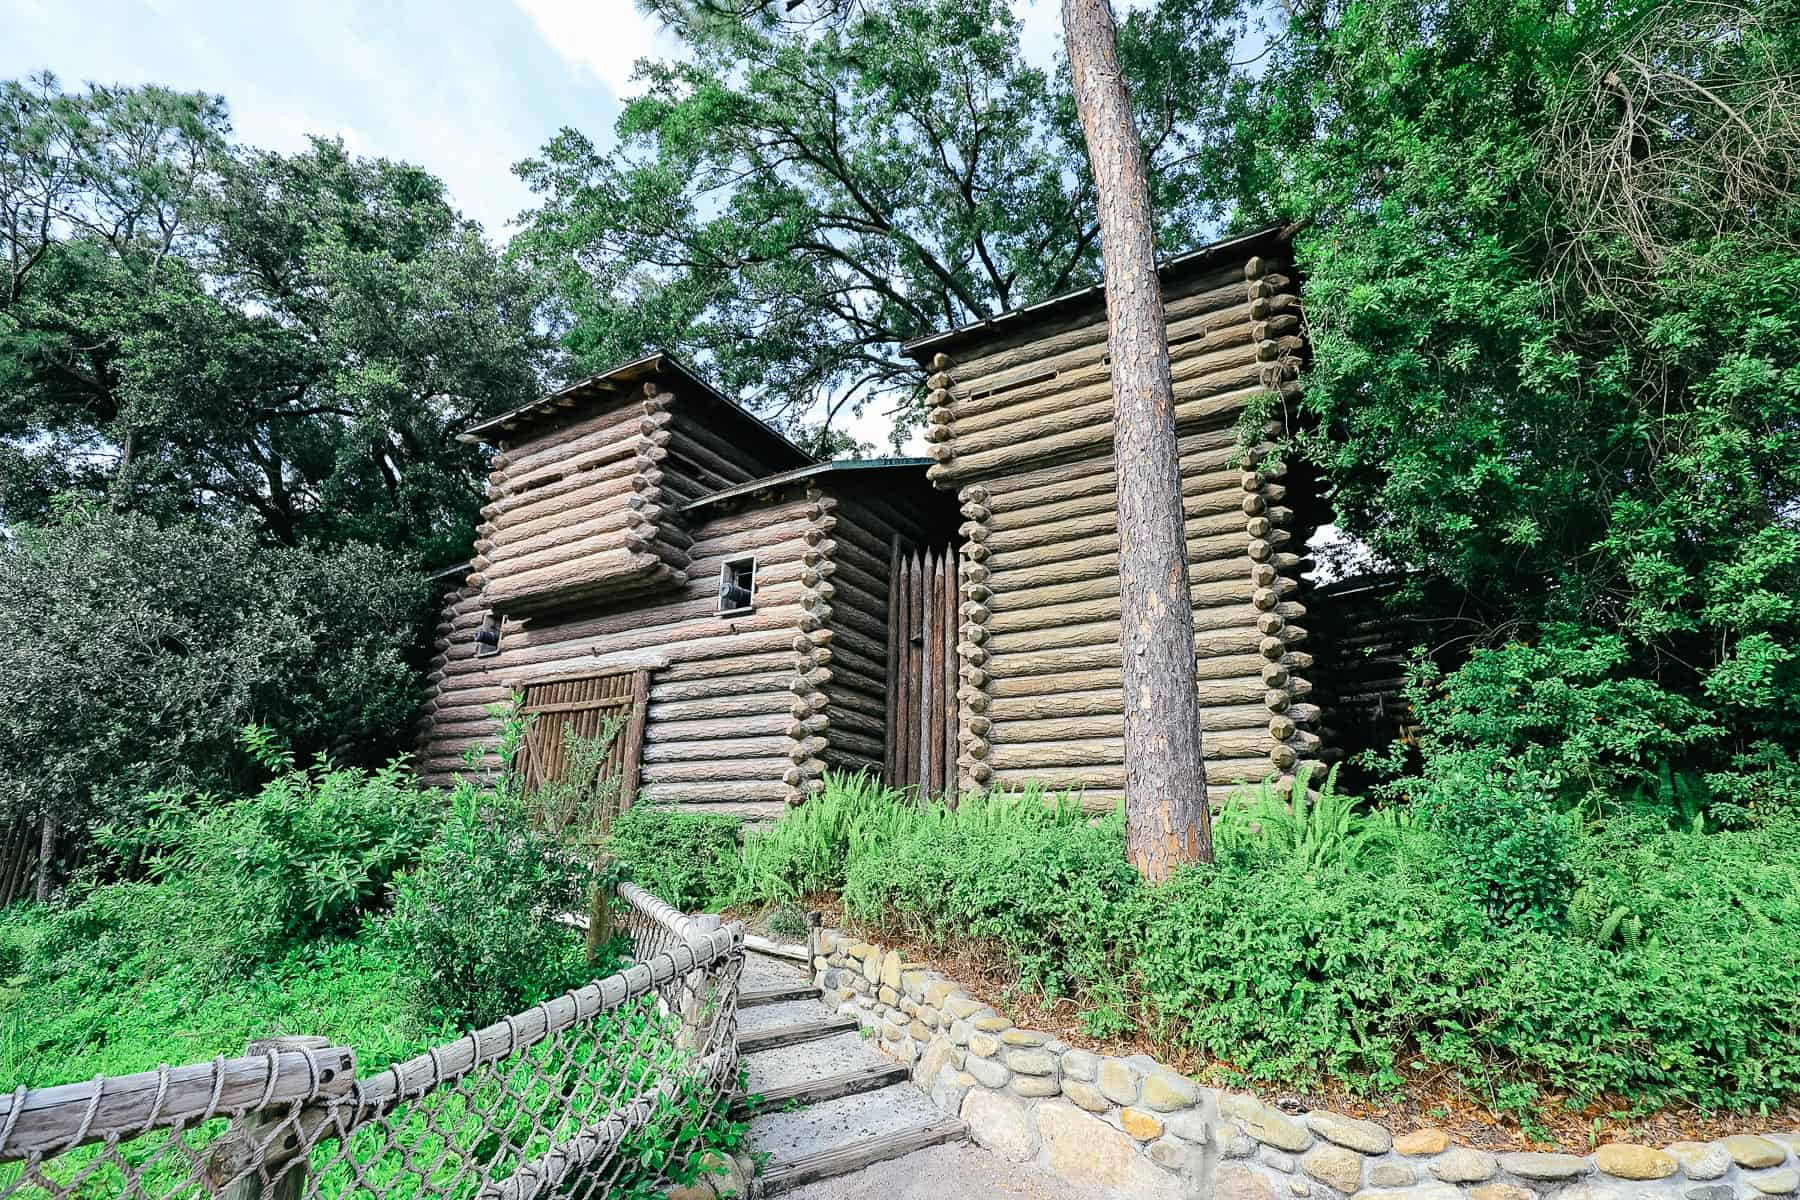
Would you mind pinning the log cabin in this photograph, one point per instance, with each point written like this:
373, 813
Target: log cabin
650, 549
952, 622
1020, 428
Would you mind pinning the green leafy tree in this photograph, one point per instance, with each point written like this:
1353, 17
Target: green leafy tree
1553, 283
136, 653
795, 199
193, 327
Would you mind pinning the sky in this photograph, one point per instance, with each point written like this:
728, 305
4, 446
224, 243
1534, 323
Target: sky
464, 88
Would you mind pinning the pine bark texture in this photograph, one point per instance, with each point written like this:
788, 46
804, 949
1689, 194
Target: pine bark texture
1165, 773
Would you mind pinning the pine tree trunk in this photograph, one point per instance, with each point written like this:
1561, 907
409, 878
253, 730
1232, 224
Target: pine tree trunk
1165, 775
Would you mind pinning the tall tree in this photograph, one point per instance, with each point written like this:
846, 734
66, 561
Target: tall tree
1553, 283
794, 199
191, 327
1166, 817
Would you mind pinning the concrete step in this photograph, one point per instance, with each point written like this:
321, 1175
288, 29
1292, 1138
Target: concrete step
763, 970
784, 1066
837, 1136
780, 1012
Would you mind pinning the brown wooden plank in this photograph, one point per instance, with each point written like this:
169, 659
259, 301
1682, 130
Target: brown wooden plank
952, 599
815, 1091
793, 1035
853, 1156
632, 752
902, 616
889, 757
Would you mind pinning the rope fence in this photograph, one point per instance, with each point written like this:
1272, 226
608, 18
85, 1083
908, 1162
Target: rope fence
608, 1086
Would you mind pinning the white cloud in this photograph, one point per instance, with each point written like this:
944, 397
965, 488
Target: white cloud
605, 37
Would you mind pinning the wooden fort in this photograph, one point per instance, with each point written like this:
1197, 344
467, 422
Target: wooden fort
1021, 429
650, 548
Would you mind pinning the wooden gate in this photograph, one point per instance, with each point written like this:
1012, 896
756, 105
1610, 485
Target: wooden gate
586, 704
922, 675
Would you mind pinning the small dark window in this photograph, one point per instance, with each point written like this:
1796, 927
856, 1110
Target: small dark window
737, 585
487, 638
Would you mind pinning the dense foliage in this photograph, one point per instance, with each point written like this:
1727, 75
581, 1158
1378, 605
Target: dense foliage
192, 326
350, 904
1552, 276
790, 200
137, 653
477, 925
686, 858
255, 364
1334, 941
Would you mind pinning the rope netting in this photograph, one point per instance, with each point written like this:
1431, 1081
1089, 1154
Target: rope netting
604, 1090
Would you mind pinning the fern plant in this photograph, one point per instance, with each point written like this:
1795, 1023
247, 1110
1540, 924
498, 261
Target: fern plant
1305, 828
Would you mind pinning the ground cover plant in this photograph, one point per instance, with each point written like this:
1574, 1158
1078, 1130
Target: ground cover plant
1338, 943
348, 903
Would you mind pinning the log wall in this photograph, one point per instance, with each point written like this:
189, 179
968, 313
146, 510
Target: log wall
722, 728
577, 509
1022, 428
586, 553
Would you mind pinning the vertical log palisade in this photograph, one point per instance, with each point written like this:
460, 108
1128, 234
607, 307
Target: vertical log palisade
1019, 426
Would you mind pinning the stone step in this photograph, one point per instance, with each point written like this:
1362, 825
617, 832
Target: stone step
811, 1030
837, 1136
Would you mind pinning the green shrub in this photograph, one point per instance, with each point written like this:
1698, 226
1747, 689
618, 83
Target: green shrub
475, 926
313, 853
1510, 846
689, 859
1353, 973
1290, 976
806, 852
1039, 880
1319, 829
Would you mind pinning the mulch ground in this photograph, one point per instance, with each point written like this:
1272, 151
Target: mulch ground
1432, 1098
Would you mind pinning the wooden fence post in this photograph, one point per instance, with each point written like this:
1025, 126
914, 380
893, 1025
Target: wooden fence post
696, 994
256, 1128
600, 921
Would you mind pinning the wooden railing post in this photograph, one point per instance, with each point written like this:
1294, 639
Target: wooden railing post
256, 1129
600, 919
697, 993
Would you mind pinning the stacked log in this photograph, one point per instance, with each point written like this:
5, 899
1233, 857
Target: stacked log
1022, 428
722, 696
578, 511
973, 769
809, 731
1293, 723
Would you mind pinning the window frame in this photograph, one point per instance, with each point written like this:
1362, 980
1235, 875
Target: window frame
725, 577
482, 649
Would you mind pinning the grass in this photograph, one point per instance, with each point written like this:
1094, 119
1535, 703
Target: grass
54, 1032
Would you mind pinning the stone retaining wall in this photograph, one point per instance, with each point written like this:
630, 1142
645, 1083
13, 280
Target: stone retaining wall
1137, 1126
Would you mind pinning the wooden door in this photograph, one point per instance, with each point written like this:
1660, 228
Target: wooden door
585, 704
922, 674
